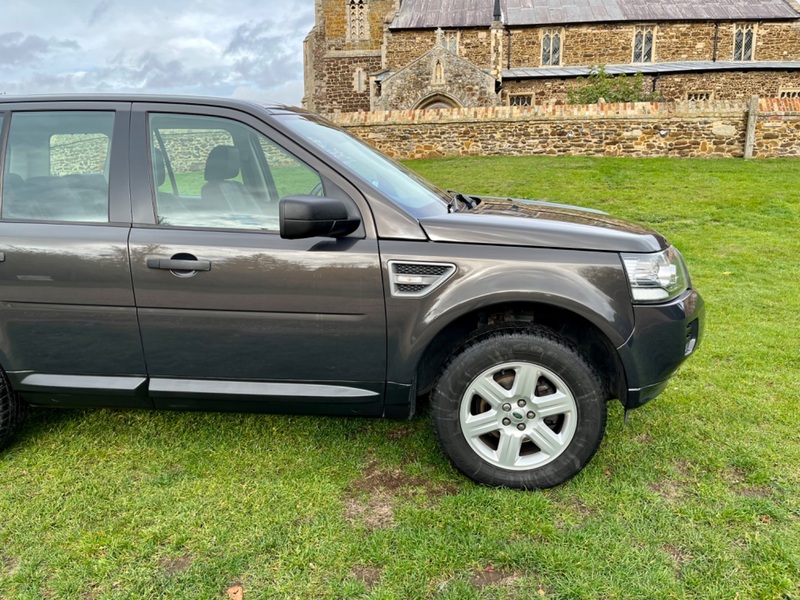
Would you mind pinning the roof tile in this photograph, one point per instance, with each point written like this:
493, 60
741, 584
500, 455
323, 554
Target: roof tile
420, 14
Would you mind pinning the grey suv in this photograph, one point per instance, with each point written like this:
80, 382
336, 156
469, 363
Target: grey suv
207, 254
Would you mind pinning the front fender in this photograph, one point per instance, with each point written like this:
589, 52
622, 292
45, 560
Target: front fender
586, 283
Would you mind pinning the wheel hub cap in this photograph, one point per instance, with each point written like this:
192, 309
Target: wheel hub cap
508, 425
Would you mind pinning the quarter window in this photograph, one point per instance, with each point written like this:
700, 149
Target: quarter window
57, 166
217, 173
744, 41
551, 47
643, 40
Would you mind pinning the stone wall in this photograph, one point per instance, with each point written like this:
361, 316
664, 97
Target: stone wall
476, 46
682, 129
778, 129
78, 153
778, 41
677, 42
590, 45
336, 81
731, 85
405, 46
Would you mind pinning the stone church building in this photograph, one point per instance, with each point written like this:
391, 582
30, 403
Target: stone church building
414, 54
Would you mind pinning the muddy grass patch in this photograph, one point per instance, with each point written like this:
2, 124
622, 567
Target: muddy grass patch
678, 555
490, 575
736, 479
9, 565
369, 576
175, 565
670, 490
371, 498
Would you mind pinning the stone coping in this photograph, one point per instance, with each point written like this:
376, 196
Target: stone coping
699, 109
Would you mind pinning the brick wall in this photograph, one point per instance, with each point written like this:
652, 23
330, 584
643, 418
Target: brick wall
683, 129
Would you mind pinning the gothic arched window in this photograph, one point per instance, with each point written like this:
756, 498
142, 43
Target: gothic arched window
357, 24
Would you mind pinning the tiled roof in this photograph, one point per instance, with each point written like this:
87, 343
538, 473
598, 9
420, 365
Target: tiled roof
420, 14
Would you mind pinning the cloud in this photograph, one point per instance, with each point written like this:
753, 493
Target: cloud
17, 49
100, 10
188, 47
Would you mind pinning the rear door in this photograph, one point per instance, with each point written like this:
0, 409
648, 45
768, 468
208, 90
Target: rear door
232, 316
67, 314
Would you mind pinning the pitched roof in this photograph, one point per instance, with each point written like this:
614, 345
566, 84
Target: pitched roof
421, 14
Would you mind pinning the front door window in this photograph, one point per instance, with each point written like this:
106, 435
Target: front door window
218, 173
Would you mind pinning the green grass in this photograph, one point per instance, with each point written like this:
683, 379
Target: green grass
697, 497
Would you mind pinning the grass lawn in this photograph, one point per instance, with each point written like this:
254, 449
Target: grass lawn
697, 497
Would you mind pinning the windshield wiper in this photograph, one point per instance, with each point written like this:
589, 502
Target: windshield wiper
469, 201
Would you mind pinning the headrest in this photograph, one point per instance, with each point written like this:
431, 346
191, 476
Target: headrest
222, 163
13, 180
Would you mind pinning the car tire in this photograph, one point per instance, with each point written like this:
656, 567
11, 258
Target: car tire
519, 408
12, 412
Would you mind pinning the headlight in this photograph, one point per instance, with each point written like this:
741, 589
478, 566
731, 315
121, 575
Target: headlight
656, 277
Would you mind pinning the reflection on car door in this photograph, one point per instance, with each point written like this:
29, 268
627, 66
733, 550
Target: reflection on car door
68, 319
231, 315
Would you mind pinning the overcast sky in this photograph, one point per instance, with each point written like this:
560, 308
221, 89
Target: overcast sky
236, 48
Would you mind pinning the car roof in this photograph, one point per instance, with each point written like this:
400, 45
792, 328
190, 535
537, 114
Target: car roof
271, 108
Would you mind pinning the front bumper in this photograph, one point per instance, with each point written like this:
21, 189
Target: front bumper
664, 336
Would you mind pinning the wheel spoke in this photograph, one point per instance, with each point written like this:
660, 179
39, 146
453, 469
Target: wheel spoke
525, 380
491, 391
554, 404
508, 449
544, 437
478, 425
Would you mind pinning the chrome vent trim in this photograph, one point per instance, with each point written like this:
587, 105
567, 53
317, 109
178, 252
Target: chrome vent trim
417, 279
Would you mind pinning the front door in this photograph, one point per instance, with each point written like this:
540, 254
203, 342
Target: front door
231, 315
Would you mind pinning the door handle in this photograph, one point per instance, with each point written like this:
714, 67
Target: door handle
173, 264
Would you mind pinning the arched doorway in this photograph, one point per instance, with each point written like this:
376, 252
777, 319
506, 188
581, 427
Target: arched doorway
437, 101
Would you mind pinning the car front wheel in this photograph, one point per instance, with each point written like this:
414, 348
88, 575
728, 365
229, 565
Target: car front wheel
519, 408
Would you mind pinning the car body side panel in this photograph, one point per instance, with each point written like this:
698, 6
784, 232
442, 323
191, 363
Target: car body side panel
268, 309
66, 297
590, 284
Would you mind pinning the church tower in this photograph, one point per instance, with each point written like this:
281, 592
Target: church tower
342, 50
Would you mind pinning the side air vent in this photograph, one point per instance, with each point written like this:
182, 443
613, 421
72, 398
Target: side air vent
418, 279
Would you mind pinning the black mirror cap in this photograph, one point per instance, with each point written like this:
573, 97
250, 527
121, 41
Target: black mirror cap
314, 216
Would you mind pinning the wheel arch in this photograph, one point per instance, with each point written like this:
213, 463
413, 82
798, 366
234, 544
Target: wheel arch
586, 335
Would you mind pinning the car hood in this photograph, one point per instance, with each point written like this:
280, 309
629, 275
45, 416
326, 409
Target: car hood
514, 222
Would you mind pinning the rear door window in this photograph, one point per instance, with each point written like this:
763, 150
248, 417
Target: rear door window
57, 166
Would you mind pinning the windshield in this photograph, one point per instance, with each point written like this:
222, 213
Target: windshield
407, 189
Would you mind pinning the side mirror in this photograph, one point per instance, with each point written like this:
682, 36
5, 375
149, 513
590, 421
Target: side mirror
314, 216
